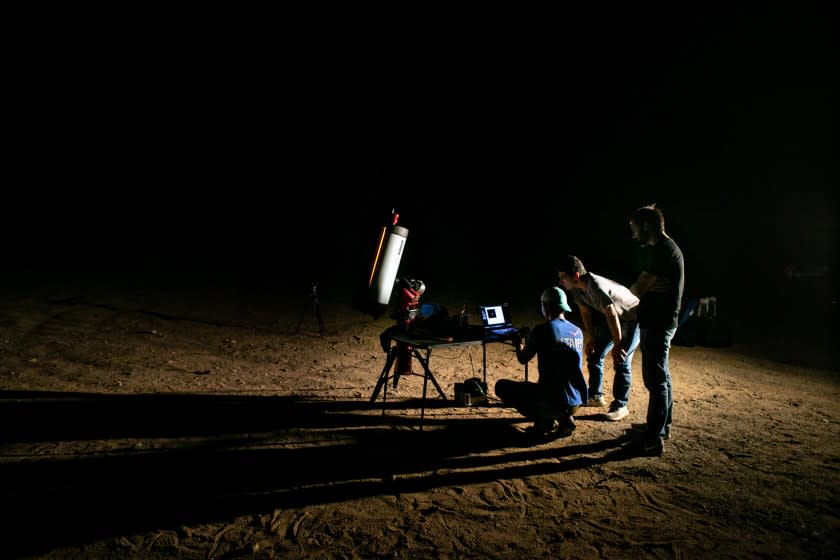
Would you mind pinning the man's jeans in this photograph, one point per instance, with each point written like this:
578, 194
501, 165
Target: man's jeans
655, 346
623, 372
531, 401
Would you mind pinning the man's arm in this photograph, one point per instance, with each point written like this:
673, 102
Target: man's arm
586, 317
613, 323
618, 353
519, 347
643, 283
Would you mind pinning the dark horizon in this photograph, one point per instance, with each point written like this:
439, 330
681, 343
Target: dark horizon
168, 149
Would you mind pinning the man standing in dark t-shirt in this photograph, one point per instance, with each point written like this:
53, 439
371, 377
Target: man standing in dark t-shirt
660, 289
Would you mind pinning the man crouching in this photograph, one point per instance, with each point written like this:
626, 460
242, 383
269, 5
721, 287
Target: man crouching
561, 387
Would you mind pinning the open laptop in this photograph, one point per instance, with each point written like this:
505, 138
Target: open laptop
497, 322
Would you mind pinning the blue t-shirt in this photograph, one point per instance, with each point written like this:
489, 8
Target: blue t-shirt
558, 345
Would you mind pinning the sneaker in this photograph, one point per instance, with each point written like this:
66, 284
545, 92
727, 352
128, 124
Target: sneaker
644, 447
543, 428
547, 431
566, 427
596, 402
643, 427
617, 413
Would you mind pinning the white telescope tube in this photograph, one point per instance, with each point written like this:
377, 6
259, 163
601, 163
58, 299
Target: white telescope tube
387, 263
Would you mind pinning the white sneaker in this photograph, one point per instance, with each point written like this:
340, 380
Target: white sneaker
596, 402
616, 414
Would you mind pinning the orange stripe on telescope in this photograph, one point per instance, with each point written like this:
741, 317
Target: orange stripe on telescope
376, 258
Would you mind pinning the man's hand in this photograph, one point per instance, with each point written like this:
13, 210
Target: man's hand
619, 354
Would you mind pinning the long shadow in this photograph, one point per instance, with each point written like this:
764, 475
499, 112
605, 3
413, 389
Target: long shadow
210, 458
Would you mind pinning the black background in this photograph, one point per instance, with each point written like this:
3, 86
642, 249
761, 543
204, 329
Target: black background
267, 148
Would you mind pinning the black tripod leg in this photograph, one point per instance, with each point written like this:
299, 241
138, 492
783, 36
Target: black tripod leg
316, 305
383, 377
321, 328
402, 347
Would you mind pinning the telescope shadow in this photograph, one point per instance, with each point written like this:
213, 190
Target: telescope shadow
99, 466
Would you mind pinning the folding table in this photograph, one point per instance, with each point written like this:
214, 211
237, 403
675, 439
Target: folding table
427, 344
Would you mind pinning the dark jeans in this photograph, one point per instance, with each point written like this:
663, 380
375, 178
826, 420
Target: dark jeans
623, 372
655, 346
531, 401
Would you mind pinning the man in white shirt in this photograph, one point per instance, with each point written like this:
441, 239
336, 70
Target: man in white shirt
608, 311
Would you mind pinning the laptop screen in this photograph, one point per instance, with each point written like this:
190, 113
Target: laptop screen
495, 316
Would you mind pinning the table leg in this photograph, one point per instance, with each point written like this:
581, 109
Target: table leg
427, 373
425, 384
484, 360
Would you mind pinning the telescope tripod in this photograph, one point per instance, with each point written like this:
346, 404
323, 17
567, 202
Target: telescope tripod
316, 305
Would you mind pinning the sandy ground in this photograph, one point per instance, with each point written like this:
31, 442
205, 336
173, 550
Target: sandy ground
200, 425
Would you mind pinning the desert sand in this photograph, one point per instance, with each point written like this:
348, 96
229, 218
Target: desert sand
188, 424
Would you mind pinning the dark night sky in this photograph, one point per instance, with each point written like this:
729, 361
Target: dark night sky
259, 146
